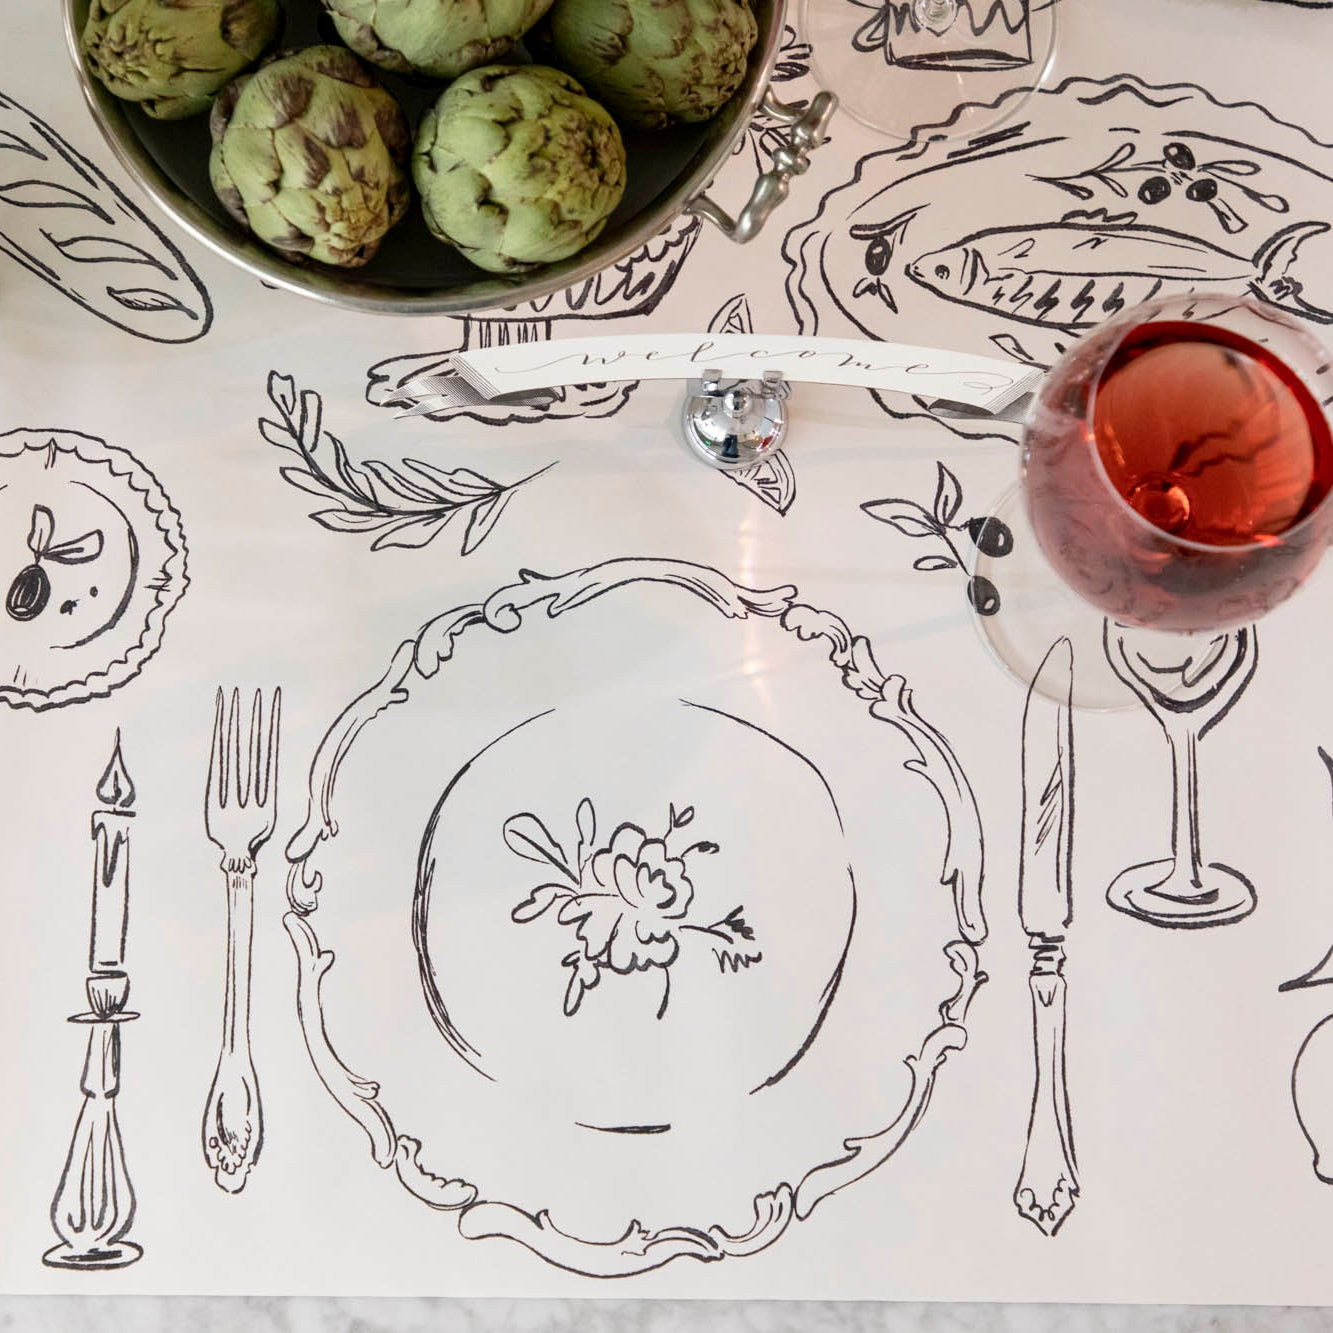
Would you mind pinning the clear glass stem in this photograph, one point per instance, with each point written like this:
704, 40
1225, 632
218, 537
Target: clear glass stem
937, 15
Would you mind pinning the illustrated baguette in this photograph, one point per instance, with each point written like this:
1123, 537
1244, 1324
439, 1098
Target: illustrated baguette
65, 221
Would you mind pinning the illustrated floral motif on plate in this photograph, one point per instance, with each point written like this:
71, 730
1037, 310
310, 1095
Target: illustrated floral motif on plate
628, 901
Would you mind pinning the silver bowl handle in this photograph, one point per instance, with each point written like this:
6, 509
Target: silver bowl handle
790, 158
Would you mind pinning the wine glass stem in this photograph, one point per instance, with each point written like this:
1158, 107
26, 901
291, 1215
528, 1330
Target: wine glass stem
937, 15
1185, 817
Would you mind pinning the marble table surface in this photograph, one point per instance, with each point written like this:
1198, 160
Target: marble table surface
411, 1315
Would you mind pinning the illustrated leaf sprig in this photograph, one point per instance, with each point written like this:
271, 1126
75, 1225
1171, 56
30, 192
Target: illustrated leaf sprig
731, 930
990, 535
407, 505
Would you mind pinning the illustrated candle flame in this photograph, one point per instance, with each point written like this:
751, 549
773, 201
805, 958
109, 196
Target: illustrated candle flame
115, 787
93, 1205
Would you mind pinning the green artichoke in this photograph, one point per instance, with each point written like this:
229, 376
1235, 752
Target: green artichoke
441, 38
173, 55
310, 154
516, 166
655, 62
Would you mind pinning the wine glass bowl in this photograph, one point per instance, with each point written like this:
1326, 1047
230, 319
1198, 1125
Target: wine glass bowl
1178, 463
959, 67
1188, 690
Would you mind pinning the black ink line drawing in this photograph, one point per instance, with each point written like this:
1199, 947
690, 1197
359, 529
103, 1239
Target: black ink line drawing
1105, 192
990, 535
771, 479
1074, 273
240, 809
407, 505
835, 980
93, 1207
1322, 971
765, 132
103, 564
1187, 696
425, 384
31, 589
1312, 1095
1047, 1186
639, 1249
421, 903
627, 1129
731, 928
986, 35
74, 228
1153, 179
628, 901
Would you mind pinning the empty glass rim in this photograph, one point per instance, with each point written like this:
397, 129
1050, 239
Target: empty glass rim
1192, 309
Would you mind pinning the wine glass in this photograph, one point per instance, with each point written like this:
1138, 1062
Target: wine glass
1187, 694
951, 64
1176, 477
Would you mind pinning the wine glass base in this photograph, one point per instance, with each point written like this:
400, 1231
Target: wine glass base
119, 1255
1227, 896
1036, 607
896, 79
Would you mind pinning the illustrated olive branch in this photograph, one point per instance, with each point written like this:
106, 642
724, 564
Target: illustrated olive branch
1177, 168
991, 536
407, 506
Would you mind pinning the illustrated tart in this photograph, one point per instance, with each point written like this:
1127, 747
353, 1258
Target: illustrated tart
92, 561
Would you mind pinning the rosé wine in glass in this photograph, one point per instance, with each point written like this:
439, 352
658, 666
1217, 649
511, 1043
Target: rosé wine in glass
1178, 463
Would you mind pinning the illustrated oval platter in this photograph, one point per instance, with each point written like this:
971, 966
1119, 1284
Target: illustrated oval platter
672, 928
1103, 193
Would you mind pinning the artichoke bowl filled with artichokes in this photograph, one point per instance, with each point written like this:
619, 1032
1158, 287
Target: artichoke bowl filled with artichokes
404, 155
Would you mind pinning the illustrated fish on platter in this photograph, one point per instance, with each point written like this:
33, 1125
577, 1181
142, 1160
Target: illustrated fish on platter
1077, 272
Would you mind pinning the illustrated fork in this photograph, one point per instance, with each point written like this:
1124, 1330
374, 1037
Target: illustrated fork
240, 808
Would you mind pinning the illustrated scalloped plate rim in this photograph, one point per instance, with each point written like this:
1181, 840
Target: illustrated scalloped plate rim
639, 1248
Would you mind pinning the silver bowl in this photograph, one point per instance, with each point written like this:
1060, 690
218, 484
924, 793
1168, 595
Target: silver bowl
414, 274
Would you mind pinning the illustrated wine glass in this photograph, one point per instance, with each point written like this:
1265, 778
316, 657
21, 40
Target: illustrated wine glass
1176, 475
1188, 693
951, 64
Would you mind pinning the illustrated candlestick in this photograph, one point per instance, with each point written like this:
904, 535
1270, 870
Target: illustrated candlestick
93, 1206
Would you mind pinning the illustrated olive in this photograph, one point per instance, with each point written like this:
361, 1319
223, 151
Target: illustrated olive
1154, 189
877, 256
991, 536
1202, 191
1179, 156
983, 594
28, 593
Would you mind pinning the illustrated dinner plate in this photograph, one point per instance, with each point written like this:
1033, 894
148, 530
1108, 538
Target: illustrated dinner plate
617, 899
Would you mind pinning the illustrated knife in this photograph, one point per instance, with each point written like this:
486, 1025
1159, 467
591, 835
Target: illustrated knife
1048, 1183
